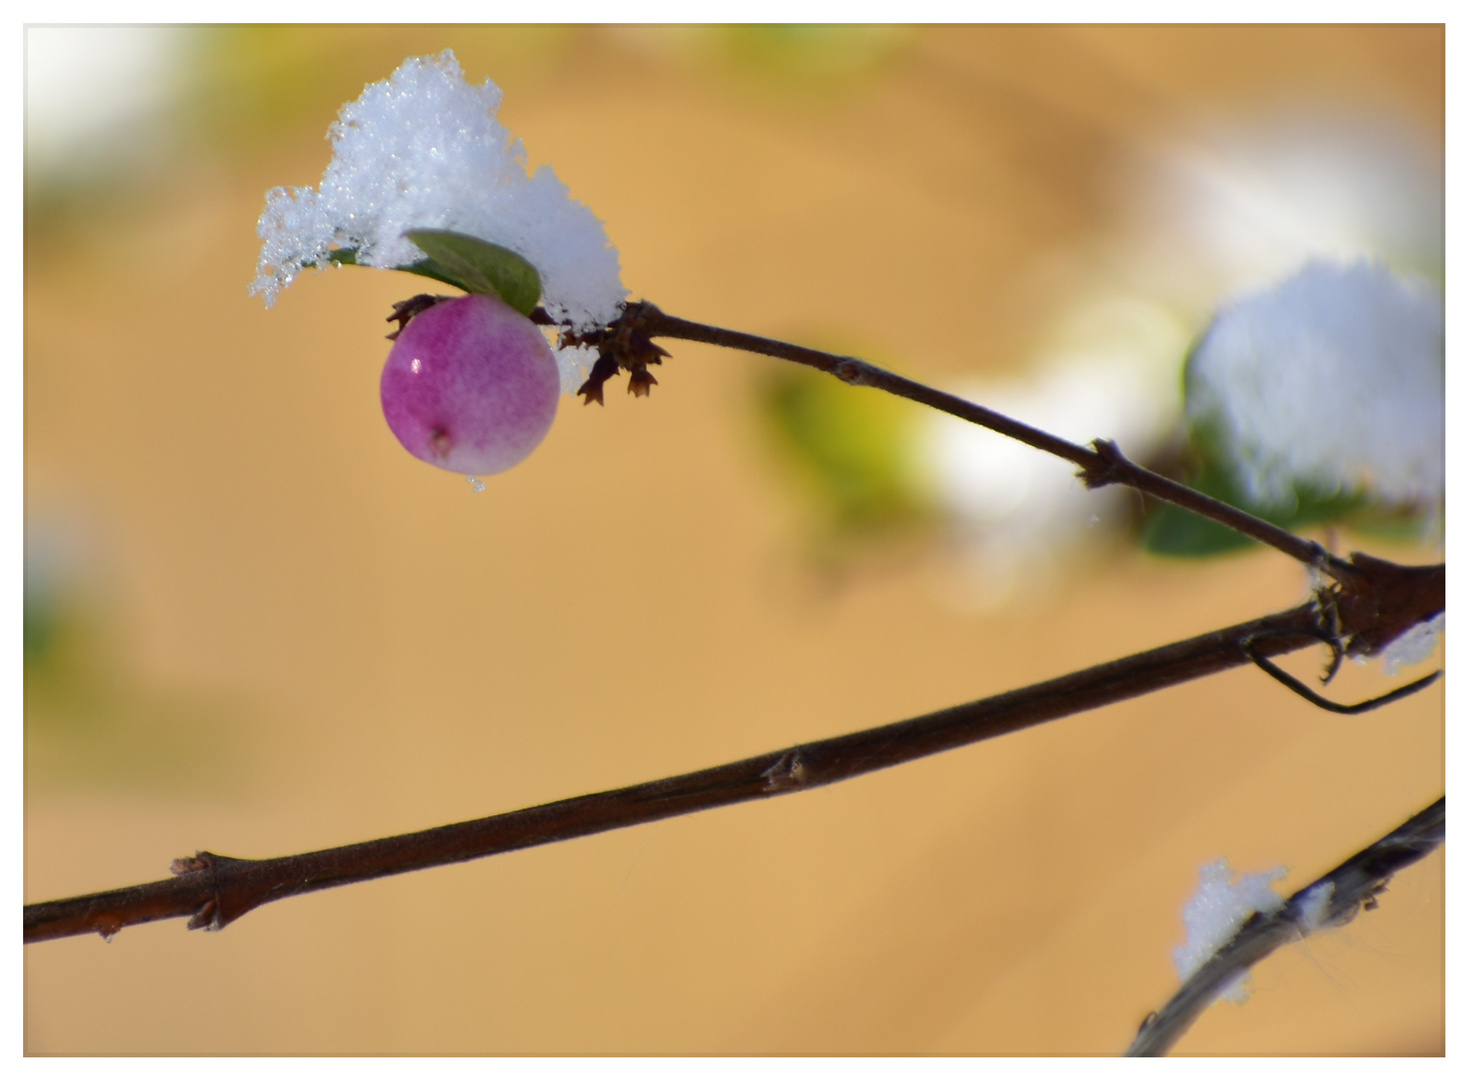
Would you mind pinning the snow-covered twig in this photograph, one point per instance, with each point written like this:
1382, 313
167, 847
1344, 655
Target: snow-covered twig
1331, 900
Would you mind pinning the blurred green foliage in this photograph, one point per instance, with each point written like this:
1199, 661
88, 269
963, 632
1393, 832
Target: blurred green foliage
90, 722
851, 451
812, 56
1172, 531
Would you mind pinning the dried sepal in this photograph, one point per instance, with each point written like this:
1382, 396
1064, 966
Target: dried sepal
640, 382
621, 345
404, 310
604, 368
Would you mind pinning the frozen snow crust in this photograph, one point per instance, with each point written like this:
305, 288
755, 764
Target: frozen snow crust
424, 150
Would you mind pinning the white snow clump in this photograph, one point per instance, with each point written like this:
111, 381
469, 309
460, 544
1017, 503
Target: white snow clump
1221, 905
424, 150
1331, 379
1315, 907
1415, 645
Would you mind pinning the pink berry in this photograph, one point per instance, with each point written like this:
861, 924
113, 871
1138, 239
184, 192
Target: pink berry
471, 385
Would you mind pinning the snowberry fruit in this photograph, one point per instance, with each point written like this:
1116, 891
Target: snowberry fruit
471, 385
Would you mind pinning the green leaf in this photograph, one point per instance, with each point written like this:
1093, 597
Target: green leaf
1171, 530
1176, 532
476, 266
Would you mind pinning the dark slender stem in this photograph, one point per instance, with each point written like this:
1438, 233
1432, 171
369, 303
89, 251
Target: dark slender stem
860, 373
214, 890
1370, 705
1328, 901
1103, 465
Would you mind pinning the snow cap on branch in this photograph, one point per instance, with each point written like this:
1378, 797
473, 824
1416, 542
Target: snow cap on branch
1331, 379
424, 150
1222, 904
1415, 646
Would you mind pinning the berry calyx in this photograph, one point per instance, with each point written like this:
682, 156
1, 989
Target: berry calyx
470, 385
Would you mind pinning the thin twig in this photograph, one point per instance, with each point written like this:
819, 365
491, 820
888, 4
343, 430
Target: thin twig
1101, 464
1274, 671
1328, 901
212, 890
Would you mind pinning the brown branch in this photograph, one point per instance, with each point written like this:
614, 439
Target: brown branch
1101, 464
212, 890
1331, 900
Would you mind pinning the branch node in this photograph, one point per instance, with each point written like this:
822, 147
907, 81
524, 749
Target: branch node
231, 893
190, 864
1113, 468
787, 773
1378, 601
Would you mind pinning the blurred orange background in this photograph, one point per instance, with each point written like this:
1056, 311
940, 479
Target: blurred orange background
270, 630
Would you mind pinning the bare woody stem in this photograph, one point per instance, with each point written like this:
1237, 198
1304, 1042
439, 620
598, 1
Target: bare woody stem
1101, 464
1372, 602
1328, 901
212, 890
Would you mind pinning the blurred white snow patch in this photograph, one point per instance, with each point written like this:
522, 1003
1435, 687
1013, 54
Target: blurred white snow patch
96, 96
1222, 904
1414, 646
1332, 378
1017, 512
424, 150
1243, 205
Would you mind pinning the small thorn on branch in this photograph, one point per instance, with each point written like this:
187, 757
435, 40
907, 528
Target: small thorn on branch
786, 773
